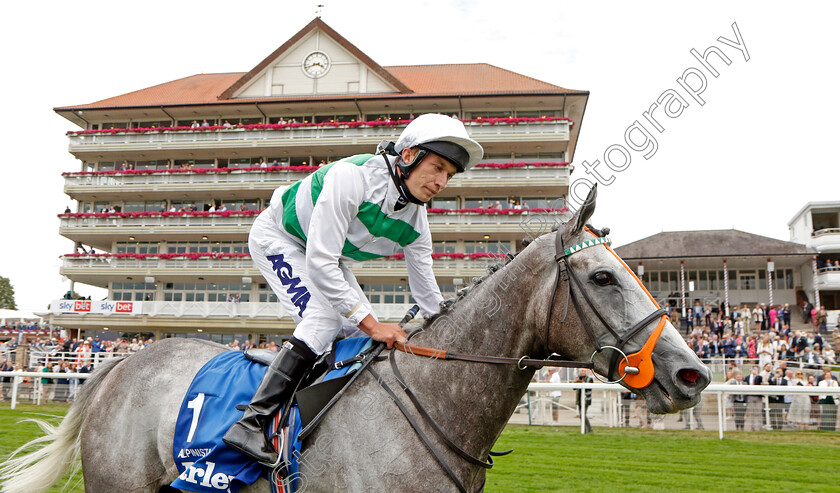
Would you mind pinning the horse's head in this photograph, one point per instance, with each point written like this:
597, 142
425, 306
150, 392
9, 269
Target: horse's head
599, 297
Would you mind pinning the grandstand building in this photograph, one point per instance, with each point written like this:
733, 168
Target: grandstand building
817, 225
169, 179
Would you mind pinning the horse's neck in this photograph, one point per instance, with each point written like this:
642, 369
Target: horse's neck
474, 401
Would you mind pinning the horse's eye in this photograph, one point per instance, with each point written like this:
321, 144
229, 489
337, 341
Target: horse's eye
602, 278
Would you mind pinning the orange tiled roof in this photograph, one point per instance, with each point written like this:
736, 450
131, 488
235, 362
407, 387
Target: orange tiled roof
425, 80
474, 78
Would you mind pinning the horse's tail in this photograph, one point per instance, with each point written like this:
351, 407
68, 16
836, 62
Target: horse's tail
38, 470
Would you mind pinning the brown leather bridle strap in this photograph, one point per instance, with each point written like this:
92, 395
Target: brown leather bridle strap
521, 363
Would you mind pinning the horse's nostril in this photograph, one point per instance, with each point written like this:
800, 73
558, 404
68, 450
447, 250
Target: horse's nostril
689, 376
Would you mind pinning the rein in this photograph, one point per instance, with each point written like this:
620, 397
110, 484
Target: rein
636, 369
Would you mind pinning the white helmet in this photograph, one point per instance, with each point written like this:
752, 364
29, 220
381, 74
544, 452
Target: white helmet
437, 133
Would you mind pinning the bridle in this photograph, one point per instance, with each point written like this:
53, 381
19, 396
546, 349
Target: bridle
636, 369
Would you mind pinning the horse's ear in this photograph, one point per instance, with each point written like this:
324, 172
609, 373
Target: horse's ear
581, 217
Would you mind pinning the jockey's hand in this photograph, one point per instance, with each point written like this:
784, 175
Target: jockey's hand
387, 333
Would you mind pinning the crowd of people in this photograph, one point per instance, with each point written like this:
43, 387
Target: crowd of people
799, 411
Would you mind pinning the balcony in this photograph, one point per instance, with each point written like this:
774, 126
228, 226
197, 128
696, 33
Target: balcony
368, 134
169, 316
826, 240
101, 230
828, 278
162, 184
99, 270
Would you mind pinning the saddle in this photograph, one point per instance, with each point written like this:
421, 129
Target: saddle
223, 388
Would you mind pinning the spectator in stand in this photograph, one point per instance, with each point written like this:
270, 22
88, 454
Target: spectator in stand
754, 401
67, 210
806, 311
782, 348
758, 317
96, 345
263, 163
134, 346
752, 348
739, 401
707, 314
786, 315
828, 355
584, 377
6, 381
822, 317
226, 124
828, 407
774, 319
698, 313
222, 207
765, 350
195, 124
62, 388
800, 409
809, 359
777, 402
204, 124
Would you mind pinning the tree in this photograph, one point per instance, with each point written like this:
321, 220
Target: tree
7, 294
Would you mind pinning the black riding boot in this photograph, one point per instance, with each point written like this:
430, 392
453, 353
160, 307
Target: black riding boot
289, 367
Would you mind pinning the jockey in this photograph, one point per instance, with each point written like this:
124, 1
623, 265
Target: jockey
359, 208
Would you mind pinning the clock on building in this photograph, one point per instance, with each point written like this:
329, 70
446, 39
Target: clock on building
316, 64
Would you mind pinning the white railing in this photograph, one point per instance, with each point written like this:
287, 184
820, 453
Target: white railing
828, 278
275, 178
200, 309
158, 221
237, 220
110, 264
556, 130
45, 358
612, 409
825, 231
609, 406
540, 173
245, 266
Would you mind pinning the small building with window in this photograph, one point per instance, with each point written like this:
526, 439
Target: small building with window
817, 226
719, 266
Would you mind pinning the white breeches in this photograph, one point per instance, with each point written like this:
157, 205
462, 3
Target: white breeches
282, 262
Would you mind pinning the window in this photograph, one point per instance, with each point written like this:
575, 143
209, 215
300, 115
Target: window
444, 246
138, 247
388, 293
703, 283
206, 291
484, 202
132, 291
335, 118
266, 295
207, 247
444, 203
487, 246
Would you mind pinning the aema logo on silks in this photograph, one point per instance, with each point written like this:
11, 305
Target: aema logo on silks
300, 295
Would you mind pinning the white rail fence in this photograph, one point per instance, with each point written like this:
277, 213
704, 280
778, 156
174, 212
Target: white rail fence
607, 404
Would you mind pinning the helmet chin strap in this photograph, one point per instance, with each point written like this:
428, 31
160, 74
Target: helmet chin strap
399, 181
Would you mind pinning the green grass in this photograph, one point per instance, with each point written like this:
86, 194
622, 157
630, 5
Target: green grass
561, 459
550, 459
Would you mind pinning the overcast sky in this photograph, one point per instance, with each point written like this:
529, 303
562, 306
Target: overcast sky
749, 158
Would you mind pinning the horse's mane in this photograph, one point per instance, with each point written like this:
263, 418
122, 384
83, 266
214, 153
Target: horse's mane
448, 304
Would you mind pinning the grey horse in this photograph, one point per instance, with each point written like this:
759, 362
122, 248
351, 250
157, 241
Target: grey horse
123, 421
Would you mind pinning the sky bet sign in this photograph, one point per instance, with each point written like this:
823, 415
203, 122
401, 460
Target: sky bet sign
100, 307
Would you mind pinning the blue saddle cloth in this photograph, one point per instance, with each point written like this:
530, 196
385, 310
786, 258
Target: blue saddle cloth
205, 463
